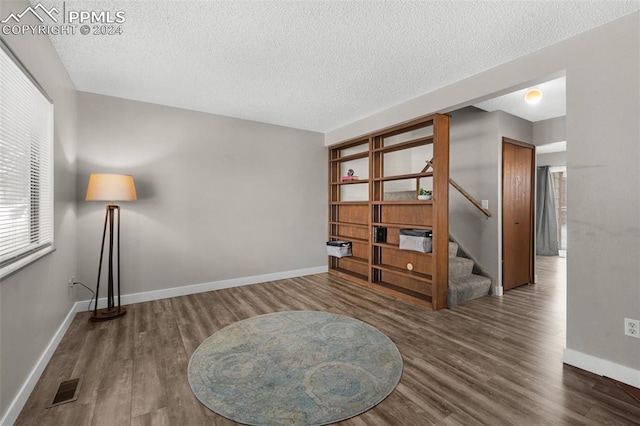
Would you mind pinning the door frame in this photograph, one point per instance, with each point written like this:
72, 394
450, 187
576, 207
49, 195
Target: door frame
532, 215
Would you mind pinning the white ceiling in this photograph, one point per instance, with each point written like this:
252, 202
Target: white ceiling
314, 65
551, 148
553, 103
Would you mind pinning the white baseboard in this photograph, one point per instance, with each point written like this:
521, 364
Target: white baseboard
602, 367
148, 296
20, 400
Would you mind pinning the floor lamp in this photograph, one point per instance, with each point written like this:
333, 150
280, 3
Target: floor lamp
111, 188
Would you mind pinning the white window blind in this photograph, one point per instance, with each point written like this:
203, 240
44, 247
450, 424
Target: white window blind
26, 164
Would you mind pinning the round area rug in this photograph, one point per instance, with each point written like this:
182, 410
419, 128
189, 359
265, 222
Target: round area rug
294, 368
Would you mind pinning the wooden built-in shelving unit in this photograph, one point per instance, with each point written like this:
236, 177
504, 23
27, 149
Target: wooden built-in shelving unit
389, 163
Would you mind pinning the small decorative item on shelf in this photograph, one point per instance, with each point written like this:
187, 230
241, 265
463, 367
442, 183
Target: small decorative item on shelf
425, 194
350, 176
379, 234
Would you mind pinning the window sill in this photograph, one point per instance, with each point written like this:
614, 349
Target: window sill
21, 263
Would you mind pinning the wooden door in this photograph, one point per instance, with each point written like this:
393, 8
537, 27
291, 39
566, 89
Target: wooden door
518, 168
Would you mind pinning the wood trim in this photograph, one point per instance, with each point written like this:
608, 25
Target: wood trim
519, 143
407, 176
357, 156
440, 236
413, 143
406, 126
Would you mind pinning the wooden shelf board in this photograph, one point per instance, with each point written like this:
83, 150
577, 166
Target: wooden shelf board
349, 203
403, 202
407, 176
405, 145
350, 144
405, 273
356, 156
352, 239
355, 225
356, 259
406, 126
345, 273
402, 225
397, 247
386, 245
403, 293
351, 182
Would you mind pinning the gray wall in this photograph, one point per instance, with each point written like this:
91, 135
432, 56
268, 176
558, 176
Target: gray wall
35, 300
549, 131
219, 197
603, 139
474, 164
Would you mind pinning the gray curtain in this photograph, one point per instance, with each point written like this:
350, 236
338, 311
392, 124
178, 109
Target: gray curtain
546, 223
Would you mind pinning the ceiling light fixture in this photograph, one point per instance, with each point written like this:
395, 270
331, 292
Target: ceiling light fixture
533, 96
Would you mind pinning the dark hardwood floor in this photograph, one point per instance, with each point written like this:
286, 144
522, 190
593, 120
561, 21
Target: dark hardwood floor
491, 361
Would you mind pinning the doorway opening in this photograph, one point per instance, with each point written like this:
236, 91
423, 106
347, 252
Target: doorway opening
559, 178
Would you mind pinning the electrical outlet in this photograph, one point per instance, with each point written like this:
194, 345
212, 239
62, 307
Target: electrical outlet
631, 327
485, 204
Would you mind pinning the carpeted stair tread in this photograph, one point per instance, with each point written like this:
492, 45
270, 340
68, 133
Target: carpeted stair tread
460, 267
464, 282
468, 287
453, 250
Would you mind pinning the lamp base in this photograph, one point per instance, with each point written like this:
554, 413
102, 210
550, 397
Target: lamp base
107, 314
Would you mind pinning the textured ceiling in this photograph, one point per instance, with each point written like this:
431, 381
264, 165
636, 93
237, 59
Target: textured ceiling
314, 65
553, 103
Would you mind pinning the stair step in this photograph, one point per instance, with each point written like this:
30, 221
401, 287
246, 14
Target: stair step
453, 249
462, 289
460, 267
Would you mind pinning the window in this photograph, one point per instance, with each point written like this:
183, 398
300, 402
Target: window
26, 166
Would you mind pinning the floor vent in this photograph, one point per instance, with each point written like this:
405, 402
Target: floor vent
67, 392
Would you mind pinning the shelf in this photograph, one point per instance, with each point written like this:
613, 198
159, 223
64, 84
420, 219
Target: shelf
426, 285
357, 156
403, 272
341, 272
401, 225
407, 176
397, 247
350, 182
405, 145
352, 239
356, 259
349, 203
403, 293
401, 202
355, 225
386, 245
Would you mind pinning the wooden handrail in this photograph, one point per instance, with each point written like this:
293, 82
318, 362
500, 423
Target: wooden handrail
475, 202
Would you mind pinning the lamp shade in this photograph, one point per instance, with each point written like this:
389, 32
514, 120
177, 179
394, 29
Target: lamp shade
107, 187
